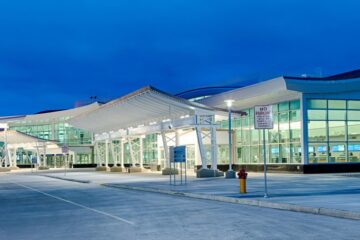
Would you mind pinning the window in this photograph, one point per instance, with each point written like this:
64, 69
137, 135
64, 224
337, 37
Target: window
317, 131
281, 141
354, 131
316, 104
337, 104
333, 130
337, 131
317, 114
353, 105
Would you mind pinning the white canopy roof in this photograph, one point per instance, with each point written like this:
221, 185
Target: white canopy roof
64, 113
281, 89
145, 106
15, 137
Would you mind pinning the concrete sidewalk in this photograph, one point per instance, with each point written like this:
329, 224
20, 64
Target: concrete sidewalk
329, 194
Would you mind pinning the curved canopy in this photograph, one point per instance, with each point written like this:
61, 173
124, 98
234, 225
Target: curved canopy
145, 106
15, 137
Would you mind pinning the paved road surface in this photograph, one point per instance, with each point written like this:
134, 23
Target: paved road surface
36, 207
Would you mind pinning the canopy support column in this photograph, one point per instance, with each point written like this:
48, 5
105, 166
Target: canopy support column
113, 156
44, 156
38, 160
213, 149
9, 160
132, 157
122, 153
201, 147
97, 155
106, 153
141, 152
166, 150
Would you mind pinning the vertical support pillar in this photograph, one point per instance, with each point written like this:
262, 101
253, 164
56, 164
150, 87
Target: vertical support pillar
106, 153
9, 159
73, 158
44, 158
38, 161
177, 138
141, 152
13, 159
304, 131
96, 153
166, 149
213, 148
113, 156
13, 162
132, 157
122, 152
158, 151
201, 147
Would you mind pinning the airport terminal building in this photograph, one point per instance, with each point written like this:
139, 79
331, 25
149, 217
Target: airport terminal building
316, 129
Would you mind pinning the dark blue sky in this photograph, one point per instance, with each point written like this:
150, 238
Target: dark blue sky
54, 53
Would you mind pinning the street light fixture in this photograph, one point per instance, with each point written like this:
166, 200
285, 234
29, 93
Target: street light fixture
230, 173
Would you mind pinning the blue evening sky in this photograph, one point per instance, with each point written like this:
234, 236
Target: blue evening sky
54, 53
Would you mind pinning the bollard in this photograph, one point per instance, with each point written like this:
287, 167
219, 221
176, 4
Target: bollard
242, 185
242, 180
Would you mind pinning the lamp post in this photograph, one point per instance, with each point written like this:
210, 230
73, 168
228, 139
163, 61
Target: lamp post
230, 173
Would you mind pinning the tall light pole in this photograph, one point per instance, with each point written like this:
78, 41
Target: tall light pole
230, 173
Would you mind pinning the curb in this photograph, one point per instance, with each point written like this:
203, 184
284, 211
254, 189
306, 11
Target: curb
251, 202
67, 179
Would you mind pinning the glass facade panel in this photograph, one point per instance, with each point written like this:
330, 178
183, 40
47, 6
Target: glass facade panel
354, 152
317, 114
337, 152
337, 104
294, 105
316, 103
337, 131
295, 153
284, 127
317, 131
353, 104
336, 136
353, 115
318, 153
284, 106
282, 142
354, 131
150, 153
337, 114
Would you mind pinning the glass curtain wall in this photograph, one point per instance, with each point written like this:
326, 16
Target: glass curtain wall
283, 145
333, 131
150, 153
57, 130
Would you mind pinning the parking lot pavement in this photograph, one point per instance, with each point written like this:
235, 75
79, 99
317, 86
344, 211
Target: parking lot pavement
333, 191
36, 207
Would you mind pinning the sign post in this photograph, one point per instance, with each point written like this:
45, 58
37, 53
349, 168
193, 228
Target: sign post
263, 120
178, 155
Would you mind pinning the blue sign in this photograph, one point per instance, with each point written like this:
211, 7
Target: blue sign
355, 147
180, 154
338, 148
321, 148
33, 160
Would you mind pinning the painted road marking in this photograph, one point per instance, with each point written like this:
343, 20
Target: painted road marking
77, 204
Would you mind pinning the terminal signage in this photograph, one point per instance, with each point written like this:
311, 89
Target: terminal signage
178, 154
65, 149
263, 118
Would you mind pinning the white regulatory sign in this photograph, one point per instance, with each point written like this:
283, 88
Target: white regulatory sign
263, 117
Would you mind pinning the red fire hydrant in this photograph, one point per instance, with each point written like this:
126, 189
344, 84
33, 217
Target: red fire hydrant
242, 177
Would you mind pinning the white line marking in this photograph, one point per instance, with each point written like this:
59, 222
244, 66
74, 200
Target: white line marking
76, 204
